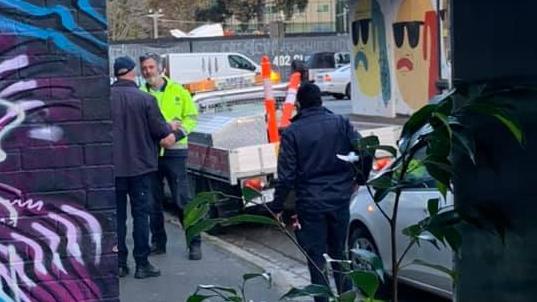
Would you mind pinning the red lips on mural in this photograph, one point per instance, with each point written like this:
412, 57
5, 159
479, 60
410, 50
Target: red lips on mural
405, 63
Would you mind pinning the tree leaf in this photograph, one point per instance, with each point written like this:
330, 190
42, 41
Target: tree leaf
415, 123
266, 276
194, 210
432, 206
349, 296
444, 120
442, 188
382, 181
439, 169
199, 298
440, 268
376, 263
195, 214
413, 231
515, 128
219, 288
467, 144
247, 218
367, 282
199, 227
390, 149
512, 124
311, 290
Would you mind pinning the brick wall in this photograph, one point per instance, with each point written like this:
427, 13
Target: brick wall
57, 207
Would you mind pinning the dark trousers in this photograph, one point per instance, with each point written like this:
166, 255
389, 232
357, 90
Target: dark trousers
325, 233
173, 169
138, 190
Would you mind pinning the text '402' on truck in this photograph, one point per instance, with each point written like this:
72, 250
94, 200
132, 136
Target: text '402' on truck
229, 149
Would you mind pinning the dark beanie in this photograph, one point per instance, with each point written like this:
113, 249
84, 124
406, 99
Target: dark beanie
123, 65
309, 95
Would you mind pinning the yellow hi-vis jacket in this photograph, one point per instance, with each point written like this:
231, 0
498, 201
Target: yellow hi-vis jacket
175, 103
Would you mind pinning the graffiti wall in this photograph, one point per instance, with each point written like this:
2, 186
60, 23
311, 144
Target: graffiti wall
396, 55
57, 208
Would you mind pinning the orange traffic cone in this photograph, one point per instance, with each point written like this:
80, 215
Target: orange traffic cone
270, 102
290, 99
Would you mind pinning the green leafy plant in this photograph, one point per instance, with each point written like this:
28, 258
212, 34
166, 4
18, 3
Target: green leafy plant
436, 130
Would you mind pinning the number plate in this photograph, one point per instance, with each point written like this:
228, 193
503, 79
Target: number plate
266, 197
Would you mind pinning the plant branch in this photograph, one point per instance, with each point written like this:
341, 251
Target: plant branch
378, 206
410, 245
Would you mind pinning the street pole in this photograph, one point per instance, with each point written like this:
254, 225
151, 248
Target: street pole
155, 15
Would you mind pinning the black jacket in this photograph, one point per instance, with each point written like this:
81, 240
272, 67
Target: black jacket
307, 162
138, 128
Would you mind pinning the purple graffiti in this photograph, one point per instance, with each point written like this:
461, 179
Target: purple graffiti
42, 251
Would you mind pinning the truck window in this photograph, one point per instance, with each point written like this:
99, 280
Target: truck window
240, 63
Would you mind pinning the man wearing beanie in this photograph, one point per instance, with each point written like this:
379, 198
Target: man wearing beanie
308, 164
138, 128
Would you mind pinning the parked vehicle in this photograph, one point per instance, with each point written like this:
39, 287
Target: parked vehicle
323, 62
201, 72
369, 230
336, 83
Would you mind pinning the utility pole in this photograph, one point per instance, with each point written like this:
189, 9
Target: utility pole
155, 15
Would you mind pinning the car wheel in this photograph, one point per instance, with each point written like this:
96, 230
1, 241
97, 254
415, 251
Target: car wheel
348, 91
361, 239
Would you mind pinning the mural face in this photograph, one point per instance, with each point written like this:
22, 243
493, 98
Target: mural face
51, 248
369, 50
416, 52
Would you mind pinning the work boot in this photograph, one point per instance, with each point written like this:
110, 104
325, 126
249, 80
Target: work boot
123, 271
194, 252
146, 271
155, 250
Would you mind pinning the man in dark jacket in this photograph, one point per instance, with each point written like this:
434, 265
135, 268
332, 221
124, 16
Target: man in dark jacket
323, 184
138, 129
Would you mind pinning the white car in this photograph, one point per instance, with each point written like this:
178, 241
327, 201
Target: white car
336, 83
369, 230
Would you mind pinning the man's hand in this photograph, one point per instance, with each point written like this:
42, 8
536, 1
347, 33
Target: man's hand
168, 141
295, 223
175, 125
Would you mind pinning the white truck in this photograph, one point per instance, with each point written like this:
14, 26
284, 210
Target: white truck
222, 70
229, 147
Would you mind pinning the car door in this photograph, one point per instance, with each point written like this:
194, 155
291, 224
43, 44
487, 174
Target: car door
341, 78
412, 209
443, 257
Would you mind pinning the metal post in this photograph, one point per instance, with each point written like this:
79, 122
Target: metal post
439, 24
155, 15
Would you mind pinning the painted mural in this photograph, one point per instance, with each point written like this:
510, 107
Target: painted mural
403, 58
371, 69
51, 249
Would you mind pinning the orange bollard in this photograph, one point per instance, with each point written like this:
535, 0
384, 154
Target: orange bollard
290, 99
270, 102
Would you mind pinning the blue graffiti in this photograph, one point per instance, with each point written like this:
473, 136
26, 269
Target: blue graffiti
361, 58
379, 28
88, 9
9, 25
65, 15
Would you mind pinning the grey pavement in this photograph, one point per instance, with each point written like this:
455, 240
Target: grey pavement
180, 277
